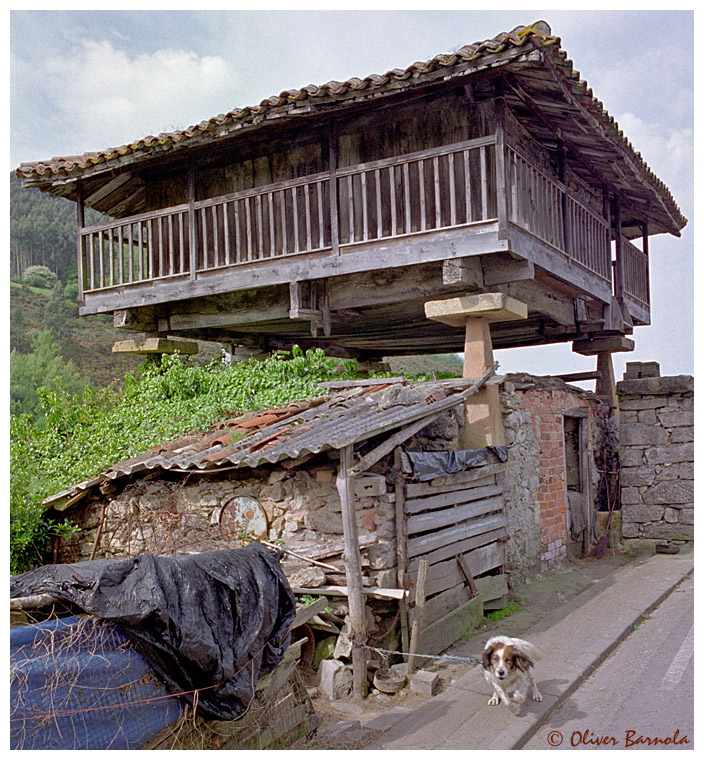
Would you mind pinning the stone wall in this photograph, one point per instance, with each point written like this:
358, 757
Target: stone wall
296, 501
657, 475
536, 490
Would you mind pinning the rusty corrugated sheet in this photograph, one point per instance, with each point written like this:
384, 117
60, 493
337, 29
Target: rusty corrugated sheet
287, 433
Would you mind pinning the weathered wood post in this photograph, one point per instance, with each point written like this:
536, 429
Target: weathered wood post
353, 570
483, 422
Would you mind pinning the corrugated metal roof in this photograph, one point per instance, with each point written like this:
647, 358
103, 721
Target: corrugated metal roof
308, 427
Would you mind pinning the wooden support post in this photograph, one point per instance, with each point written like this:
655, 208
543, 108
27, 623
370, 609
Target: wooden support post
81, 222
618, 263
401, 546
483, 422
418, 616
353, 570
606, 382
465, 569
501, 184
332, 168
192, 226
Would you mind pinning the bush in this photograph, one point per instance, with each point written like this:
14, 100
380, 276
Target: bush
83, 434
39, 277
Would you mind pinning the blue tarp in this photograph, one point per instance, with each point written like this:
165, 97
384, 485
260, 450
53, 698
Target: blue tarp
78, 684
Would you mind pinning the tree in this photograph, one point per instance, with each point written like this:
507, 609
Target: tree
59, 314
42, 367
39, 276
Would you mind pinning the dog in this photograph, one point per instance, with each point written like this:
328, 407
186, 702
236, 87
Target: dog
508, 666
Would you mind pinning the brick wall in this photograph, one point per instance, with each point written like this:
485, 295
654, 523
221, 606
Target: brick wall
657, 474
543, 402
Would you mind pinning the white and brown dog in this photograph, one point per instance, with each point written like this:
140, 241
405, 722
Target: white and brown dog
508, 666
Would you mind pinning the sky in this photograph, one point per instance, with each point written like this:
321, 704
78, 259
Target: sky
87, 80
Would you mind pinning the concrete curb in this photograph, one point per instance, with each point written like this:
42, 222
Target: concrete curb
573, 648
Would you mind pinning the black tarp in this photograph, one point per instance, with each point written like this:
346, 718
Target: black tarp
434, 464
212, 623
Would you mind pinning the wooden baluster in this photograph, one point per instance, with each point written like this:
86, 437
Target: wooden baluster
284, 225
453, 199
130, 253
216, 237
407, 196
260, 228
321, 237
350, 207
248, 227
421, 190
467, 186
379, 218
306, 192
436, 178
365, 220
272, 227
392, 200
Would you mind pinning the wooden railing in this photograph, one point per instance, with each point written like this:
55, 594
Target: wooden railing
543, 206
430, 190
636, 280
442, 188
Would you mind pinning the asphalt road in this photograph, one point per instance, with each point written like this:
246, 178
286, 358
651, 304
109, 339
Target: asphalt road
642, 696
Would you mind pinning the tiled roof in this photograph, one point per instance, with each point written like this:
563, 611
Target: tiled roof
313, 97
518, 37
308, 427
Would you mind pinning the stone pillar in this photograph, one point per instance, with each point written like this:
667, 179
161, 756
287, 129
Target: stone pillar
602, 348
483, 422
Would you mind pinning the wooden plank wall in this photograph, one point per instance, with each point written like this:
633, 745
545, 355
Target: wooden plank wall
461, 514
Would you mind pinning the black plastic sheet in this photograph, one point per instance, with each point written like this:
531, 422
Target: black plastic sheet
209, 625
434, 464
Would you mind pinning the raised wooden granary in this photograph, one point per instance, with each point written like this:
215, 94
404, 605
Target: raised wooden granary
330, 215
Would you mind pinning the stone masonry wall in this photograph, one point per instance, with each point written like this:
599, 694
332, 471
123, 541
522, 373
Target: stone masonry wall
535, 490
657, 475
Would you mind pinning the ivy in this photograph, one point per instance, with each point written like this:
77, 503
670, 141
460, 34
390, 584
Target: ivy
80, 435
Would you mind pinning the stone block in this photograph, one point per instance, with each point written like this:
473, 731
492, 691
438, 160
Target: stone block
308, 577
686, 516
667, 471
645, 417
671, 419
640, 513
671, 515
382, 555
369, 485
335, 679
630, 496
678, 452
670, 492
667, 531
655, 386
682, 435
643, 435
495, 307
424, 682
324, 521
686, 471
636, 403
629, 529
637, 476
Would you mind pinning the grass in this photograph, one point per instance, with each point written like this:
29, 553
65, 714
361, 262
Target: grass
493, 617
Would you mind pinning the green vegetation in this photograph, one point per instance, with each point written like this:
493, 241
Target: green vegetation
75, 436
493, 617
509, 609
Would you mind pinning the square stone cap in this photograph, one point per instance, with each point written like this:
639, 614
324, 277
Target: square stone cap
495, 307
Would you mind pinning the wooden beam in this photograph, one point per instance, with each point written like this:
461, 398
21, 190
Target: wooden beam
353, 571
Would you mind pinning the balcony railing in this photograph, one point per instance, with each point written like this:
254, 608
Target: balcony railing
636, 280
443, 188
545, 208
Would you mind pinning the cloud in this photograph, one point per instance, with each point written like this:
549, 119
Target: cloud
669, 152
101, 96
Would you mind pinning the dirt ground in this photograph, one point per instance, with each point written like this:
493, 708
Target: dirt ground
547, 598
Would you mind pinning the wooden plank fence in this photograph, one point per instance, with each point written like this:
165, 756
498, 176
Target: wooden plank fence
460, 515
